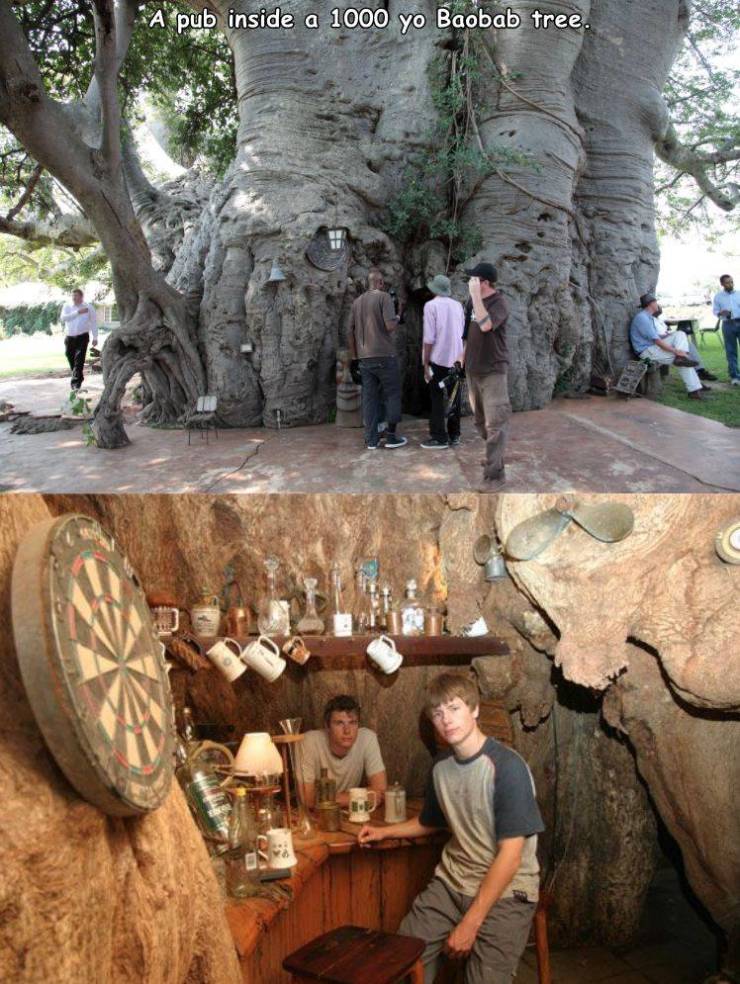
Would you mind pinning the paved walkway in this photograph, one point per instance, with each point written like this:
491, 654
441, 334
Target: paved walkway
596, 444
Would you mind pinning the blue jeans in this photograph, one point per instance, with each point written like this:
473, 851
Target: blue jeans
731, 335
381, 386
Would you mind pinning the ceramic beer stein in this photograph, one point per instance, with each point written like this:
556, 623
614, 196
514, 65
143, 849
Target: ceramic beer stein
227, 660
362, 802
395, 804
205, 617
382, 651
278, 848
296, 650
263, 656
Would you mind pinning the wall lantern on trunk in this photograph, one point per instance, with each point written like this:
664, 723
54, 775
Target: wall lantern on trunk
487, 553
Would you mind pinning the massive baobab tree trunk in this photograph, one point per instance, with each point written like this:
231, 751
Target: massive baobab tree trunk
328, 119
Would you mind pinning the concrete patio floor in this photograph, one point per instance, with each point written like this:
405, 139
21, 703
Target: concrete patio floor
596, 444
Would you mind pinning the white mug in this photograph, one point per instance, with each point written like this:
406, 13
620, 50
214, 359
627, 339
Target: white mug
278, 848
228, 662
382, 651
359, 804
263, 656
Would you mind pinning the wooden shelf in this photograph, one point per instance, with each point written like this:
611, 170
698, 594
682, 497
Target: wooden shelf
349, 653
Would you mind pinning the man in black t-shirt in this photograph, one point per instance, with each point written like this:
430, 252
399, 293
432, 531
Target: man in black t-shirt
481, 901
371, 339
486, 367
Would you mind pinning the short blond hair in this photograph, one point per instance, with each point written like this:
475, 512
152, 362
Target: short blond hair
374, 278
446, 686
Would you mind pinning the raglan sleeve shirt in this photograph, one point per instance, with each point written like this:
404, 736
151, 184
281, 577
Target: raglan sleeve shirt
515, 809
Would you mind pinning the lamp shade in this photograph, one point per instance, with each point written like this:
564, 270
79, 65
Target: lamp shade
258, 756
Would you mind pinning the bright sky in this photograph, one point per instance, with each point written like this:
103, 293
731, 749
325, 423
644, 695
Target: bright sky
692, 265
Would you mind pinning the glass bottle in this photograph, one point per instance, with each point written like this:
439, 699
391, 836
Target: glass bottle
412, 612
242, 866
208, 802
386, 603
341, 619
273, 613
310, 624
373, 608
326, 787
359, 614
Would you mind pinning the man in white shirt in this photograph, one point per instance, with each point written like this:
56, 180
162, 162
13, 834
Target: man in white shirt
727, 307
348, 751
444, 321
80, 322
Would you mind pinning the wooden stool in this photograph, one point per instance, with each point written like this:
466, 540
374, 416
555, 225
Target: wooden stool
353, 955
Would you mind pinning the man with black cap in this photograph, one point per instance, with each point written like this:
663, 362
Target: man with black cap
444, 320
486, 366
665, 351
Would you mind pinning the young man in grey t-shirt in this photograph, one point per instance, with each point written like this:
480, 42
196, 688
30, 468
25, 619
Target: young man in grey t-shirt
480, 903
348, 751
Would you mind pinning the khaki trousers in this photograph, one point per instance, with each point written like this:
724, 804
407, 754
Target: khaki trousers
498, 945
489, 399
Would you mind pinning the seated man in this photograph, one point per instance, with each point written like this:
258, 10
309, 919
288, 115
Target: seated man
670, 350
481, 901
348, 751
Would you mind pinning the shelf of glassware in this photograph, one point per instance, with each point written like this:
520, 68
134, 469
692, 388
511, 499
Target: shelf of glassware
350, 652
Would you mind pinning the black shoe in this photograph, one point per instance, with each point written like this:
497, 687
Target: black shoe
695, 395
371, 447
706, 374
395, 441
454, 441
706, 389
434, 445
683, 362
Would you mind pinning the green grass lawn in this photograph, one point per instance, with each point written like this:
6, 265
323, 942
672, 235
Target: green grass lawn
722, 405
24, 355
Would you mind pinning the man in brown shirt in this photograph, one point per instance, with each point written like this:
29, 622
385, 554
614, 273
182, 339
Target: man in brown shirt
486, 366
371, 339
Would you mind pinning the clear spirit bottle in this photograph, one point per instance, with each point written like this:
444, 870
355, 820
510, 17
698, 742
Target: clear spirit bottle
242, 865
273, 617
341, 619
412, 612
310, 624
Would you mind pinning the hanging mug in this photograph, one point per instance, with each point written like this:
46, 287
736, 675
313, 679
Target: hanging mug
263, 656
227, 660
382, 651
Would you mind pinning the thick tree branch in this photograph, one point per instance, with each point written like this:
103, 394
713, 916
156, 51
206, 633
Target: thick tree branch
68, 230
106, 74
671, 150
27, 192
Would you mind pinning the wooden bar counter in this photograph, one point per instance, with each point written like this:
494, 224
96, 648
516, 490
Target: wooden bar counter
335, 882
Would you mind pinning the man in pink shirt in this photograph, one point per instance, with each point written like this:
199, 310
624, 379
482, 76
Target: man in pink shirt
444, 320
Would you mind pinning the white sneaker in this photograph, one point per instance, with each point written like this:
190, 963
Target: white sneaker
736, 382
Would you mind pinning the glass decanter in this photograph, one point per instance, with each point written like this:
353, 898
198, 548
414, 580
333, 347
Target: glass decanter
272, 614
310, 624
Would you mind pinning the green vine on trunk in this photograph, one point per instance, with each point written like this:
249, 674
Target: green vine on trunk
438, 182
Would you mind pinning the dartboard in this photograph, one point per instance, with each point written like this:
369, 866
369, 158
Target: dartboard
92, 665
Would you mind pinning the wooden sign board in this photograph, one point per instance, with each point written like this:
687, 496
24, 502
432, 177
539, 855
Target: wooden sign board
631, 377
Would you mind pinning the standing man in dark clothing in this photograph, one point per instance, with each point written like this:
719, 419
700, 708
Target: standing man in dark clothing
486, 366
371, 338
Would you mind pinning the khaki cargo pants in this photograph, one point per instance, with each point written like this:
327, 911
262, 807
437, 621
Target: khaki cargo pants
489, 399
498, 946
